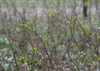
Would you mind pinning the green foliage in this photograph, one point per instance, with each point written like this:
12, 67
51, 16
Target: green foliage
84, 56
4, 42
86, 27
98, 38
40, 66
54, 40
51, 13
85, 4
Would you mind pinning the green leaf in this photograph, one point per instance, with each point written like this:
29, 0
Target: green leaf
25, 25
21, 24
84, 56
35, 62
98, 38
69, 17
54, 44
85, 4
18, 29
28, 22
34, 48
40, 66
68, 22
98, 58
29, 28
86, 27
74, 18
44, 38
91, 60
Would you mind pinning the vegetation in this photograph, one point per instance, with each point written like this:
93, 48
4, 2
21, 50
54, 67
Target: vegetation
49, 35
